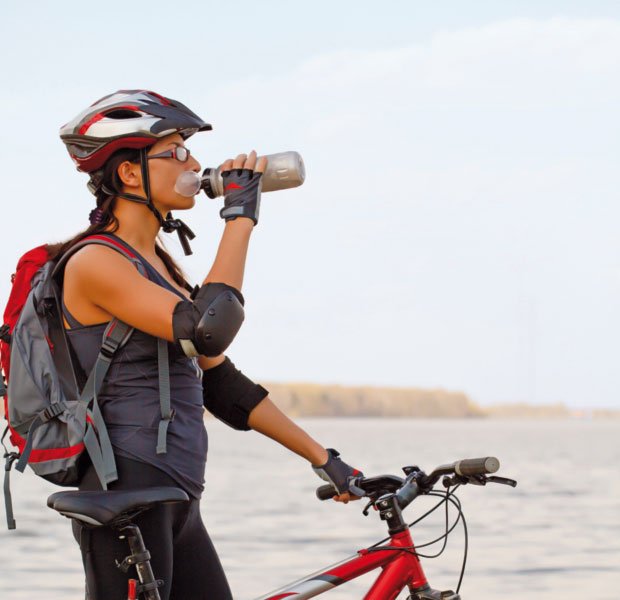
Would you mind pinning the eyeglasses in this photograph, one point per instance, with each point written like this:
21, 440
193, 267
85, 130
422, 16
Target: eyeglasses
181, 153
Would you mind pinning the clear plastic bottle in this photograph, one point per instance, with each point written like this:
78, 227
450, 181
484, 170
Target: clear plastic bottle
284, 170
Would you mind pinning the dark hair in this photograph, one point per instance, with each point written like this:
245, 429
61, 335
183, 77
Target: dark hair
107, 183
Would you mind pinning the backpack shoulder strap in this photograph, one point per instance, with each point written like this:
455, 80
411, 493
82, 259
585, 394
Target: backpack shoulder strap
116, 335
103, 240
122, 333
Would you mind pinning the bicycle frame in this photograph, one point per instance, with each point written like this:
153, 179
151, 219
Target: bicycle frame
400, 569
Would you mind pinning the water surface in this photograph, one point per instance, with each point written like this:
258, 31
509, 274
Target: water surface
557, 535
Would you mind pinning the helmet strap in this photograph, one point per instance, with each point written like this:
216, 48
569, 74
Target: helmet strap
183, 231
168, 224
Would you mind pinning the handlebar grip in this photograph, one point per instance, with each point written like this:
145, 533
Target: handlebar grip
476, 466
326, 492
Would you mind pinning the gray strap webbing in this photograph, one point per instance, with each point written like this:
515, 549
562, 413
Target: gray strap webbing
98, 446
167, 414
8, 499
10, 458
96, 456
104, 443
23, 459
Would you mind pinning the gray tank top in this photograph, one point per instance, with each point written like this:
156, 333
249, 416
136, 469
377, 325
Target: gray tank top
129, 398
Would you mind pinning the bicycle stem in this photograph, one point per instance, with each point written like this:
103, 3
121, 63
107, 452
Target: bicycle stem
390, 510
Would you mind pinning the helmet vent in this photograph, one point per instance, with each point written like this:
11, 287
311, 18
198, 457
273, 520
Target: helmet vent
123, 113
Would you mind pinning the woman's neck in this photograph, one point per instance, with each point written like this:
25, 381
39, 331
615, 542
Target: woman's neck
138, 226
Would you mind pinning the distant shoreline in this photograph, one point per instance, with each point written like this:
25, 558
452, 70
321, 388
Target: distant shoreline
325, 400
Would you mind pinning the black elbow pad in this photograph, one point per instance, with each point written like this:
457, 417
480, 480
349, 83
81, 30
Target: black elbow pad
231, 396
210, 323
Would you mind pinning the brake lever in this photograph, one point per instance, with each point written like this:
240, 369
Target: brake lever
372, 502
476, 480
502, 480
366, 511
449, 482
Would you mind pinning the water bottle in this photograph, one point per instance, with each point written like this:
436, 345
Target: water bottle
284, 170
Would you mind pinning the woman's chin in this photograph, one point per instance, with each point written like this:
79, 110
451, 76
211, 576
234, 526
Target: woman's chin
184, 203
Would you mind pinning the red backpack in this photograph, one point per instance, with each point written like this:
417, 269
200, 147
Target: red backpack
27, 266
50, 405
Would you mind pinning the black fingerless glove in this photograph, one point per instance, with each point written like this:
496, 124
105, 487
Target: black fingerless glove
242, 188
229, 395
339, 473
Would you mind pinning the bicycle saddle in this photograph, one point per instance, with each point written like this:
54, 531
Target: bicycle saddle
104, 507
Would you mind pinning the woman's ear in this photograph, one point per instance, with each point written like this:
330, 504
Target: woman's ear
130, 174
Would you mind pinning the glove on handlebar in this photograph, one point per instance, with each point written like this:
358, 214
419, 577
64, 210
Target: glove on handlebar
339, 473
242, 189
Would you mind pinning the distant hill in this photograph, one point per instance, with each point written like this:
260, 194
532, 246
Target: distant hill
318, 400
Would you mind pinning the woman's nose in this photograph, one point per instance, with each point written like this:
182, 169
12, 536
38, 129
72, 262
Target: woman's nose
196, 165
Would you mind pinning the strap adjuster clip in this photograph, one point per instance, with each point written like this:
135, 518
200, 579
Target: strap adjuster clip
52, 411
108, 349
10, 458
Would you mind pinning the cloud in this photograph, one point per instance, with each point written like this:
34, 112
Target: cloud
450, 183
522, 63
449, 179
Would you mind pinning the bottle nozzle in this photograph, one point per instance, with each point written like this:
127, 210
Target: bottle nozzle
188, 184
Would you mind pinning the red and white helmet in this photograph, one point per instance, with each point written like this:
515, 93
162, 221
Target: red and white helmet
125, 119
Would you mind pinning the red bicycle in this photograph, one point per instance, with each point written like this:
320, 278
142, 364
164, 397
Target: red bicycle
388, 495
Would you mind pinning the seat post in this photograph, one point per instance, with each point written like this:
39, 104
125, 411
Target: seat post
141, 558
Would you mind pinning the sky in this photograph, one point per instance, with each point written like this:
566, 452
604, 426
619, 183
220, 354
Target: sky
458, 225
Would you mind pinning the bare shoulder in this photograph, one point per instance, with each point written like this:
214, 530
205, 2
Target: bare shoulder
95, 260
106, 279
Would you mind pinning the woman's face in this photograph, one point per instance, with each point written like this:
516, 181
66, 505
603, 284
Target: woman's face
163, 174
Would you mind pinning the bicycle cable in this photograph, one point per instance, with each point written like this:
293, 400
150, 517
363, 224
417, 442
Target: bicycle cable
448, 496
458, 587
433, 509
413, 549
448, 530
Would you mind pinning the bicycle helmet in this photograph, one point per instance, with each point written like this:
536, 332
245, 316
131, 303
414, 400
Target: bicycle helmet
129, 119
125, 119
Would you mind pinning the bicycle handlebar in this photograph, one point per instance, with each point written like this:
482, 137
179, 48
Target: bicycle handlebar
417, 481
476, 466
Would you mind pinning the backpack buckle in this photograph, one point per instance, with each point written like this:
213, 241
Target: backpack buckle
9, 459
108, 348
52, 411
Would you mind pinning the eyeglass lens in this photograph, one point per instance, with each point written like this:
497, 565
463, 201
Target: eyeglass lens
181, 153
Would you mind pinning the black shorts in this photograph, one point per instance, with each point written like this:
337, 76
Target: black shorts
181, 551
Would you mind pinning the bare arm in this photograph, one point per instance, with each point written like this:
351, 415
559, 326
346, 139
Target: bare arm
229, 264
269, 420
228, 267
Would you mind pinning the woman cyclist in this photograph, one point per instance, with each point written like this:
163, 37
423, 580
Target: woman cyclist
132, 144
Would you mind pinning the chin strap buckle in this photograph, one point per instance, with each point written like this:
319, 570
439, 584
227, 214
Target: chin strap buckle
183, 231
